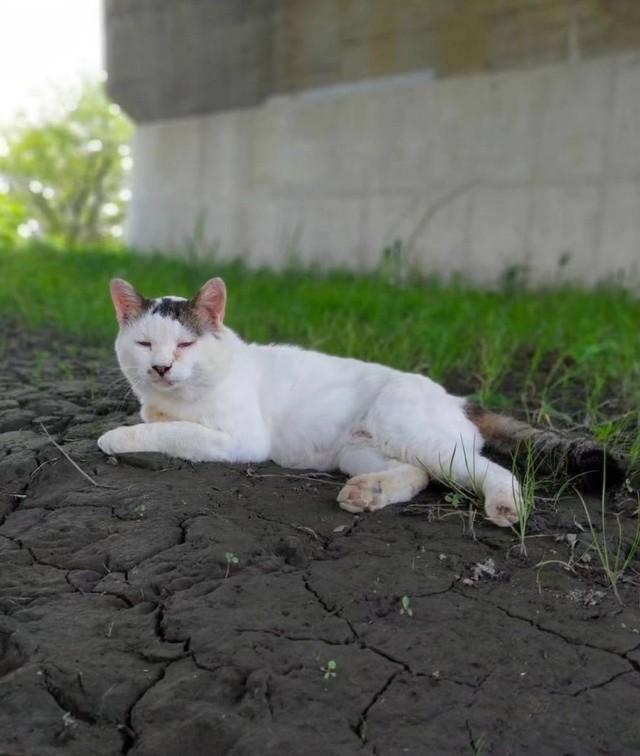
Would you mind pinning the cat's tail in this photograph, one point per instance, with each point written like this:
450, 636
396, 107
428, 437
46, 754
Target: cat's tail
551, 452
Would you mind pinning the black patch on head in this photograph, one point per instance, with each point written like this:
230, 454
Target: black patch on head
170, 308
181, 310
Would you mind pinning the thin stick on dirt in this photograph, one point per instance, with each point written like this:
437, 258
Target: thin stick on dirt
15, 495
68, 458
306, 529
312, 477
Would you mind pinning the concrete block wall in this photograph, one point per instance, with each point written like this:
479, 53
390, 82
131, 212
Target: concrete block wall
538, 168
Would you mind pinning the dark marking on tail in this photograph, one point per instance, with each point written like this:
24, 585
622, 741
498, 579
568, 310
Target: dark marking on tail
555, 453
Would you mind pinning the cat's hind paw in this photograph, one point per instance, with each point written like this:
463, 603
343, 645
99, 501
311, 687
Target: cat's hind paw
364, 493
502, 509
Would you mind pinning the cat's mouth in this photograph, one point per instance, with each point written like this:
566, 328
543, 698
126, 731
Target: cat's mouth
163, 382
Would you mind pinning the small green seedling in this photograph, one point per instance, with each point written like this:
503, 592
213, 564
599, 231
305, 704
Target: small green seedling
65, 369
329, 669
40, 362
230, 559
455, 499
405, 606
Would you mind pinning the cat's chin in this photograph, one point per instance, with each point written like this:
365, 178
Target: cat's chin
165, 385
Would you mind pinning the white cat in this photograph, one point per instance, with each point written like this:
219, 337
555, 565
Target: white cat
206, 395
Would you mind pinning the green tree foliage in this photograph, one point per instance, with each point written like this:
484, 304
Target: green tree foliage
13, 215
63, 178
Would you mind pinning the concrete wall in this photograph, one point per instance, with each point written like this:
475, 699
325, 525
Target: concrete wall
173, 58
473, 174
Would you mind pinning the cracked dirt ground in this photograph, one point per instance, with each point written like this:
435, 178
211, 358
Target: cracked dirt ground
126, 626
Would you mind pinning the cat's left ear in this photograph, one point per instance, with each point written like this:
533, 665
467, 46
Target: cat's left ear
210, 302
128, 303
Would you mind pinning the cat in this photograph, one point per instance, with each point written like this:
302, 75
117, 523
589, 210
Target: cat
208, 396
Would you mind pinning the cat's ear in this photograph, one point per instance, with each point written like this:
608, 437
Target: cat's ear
128, 303
210, 302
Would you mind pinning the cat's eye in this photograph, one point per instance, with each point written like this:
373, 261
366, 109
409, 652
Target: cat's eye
144, 343
184, 344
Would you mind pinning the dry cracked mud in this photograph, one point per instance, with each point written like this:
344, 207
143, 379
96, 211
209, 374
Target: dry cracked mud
156, 608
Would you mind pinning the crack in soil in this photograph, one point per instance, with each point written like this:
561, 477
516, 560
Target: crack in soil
22, 493
127, 731
475, 744
569, 640
601, 684
295, 638
635, 666
361, 728
335, 612
309, 532
63, 701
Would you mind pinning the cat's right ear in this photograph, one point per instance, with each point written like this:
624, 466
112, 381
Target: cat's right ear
126, 300
210, 303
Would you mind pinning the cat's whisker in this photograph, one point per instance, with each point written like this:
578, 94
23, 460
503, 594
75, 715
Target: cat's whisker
115, 383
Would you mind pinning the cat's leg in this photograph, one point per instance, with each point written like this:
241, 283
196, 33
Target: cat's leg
441, 458
377, 481
456, 462
428, 429
369, 492
185, 440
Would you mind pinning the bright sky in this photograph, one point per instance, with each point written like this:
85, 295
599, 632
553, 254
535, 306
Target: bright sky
44, 43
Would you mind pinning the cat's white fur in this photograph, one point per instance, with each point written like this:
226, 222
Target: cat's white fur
224, 400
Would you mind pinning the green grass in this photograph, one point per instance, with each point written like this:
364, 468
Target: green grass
614, 555
566, 356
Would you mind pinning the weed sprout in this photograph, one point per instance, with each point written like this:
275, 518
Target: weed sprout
405, 606
329, 669
230, 558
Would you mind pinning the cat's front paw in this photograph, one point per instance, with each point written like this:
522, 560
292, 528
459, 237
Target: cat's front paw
116, 441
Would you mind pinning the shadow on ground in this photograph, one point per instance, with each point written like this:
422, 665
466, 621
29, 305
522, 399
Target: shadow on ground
149, 606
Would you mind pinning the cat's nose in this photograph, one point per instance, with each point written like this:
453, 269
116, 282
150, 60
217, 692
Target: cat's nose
161, 369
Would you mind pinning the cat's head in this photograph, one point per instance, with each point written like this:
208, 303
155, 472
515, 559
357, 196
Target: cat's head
168, 343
